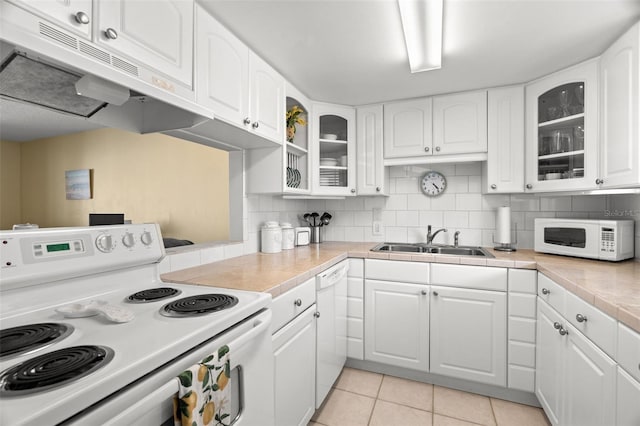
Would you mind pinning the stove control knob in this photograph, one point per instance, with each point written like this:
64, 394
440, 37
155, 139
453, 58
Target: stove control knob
146, 238
128, 240
105, 243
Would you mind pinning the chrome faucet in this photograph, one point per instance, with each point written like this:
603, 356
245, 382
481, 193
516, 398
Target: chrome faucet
455, 238
431, 236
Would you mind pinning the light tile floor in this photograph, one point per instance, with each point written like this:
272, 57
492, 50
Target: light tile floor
361, 398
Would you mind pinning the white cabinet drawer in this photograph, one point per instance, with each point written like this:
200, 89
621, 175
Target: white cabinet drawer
522, 354
356, 268
599, 327
629, 350
476, 277
393, 270
551, 293
523, 281
522, 330
290, 304
522, 305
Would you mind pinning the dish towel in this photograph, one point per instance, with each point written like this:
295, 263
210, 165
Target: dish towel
204, 397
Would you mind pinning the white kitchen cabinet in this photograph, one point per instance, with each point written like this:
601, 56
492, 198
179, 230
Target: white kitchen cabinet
562, 130
355, 309
628, 394
156, 33
549, 358
408, 128
521, 350
334, 149
397, 324
469, 334
620, 115
294, 352
236, 84
371, 173
460, 123
73, 15
503, 172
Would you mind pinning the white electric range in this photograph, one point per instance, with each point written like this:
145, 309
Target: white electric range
91, 369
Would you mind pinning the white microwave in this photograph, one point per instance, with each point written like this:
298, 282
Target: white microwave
594, 239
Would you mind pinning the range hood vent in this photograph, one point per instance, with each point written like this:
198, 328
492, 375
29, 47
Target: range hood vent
28, 80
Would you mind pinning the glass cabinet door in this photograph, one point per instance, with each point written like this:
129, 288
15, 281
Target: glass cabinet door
561, 132
333, 155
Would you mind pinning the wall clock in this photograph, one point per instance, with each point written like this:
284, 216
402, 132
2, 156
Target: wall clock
433, 184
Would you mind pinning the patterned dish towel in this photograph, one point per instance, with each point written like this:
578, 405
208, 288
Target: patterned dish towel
204, 397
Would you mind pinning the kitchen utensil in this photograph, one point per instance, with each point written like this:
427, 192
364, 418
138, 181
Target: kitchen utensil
325, 218
314, 219
307, 218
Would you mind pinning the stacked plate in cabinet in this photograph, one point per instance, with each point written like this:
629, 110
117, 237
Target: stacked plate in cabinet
293, 177
332, 177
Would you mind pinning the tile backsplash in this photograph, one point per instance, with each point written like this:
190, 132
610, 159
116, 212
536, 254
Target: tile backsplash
406, 212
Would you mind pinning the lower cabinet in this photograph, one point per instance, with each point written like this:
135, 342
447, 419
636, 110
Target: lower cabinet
294, 353
575, 380
355, 309
397, 324
469, 334
627, 407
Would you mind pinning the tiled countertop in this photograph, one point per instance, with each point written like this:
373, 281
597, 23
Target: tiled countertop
612, 287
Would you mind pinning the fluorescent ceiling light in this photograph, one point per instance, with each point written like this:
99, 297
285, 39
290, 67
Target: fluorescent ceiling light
422, 25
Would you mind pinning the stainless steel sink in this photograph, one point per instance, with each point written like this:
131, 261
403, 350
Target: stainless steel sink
433, 249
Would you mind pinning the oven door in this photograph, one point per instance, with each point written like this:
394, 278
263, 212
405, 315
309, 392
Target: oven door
149, 401
569, 238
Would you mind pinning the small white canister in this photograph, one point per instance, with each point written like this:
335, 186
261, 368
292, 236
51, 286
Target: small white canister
288, 236
271, 238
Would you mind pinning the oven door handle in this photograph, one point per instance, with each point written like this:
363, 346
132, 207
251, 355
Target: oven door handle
171, 388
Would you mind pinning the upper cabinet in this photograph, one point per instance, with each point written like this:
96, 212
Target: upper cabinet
158, 34
460, 123
562, 130
371, 173
503, 170
73, 15
236, 84
334, 150
620, 116
407, 128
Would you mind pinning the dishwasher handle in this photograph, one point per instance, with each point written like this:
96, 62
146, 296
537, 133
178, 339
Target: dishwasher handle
330, 278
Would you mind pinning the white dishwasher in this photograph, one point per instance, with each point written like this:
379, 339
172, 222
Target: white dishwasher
331, 331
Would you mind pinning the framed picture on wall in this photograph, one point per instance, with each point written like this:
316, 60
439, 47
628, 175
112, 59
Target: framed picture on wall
78, 184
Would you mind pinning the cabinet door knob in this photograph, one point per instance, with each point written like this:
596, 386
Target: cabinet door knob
255, 124
437, 148
353, 191
377, 189
111, 34
557, 325
81, 18
423, 292
426, 149
435, 293
246, 121
529, 186
298, 302
494, 186
317, 314
563, 332
599, 181
545, 291
581, 318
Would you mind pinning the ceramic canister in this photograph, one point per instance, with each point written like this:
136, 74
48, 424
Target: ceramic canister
271, 236
288, 236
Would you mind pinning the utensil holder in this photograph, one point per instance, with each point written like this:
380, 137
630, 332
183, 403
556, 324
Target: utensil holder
316, 234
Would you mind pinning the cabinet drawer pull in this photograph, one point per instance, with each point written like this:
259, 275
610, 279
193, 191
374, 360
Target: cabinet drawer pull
529, 186
81, 18
246, 120
377, 189
545, 291
557, 325
599, 181
298, 302
435, 293
111, 34
255, 124
353, 191
494, 186
317, 314
423, 292
437, 148
563, 332
426, 149
581, 318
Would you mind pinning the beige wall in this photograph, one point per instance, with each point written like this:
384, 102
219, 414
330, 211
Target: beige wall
9, 184
151, 178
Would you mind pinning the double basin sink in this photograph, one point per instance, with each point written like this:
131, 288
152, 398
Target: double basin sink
432, 249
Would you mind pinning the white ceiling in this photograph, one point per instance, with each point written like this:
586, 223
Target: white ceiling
352, 51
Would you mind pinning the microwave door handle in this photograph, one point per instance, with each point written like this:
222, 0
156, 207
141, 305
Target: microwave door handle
150, 403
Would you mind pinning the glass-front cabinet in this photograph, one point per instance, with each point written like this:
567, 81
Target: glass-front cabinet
334, 138
562, 129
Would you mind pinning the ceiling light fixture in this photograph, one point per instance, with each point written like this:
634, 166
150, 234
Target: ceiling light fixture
422, 25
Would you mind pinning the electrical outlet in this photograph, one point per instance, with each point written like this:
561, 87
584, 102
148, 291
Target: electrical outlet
377, 228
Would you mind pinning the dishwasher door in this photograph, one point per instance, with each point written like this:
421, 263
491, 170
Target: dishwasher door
331, 328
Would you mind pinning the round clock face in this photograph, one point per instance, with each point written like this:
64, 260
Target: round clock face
433, 183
